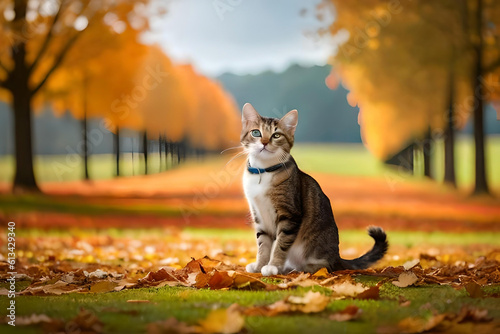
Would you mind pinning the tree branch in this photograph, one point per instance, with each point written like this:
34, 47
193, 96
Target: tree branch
57, 62
47, 40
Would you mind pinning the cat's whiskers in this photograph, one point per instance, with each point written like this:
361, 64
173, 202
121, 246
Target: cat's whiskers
232, 148
245, 151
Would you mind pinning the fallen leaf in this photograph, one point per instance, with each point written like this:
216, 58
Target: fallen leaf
347, 289
372, 293
311, 302
220, 280
85, 322
33, 319
351, 312
138, 301
323, 272
410, 264
171, 326
103, 286
405, 279
226, 321
474, 290
468, 313
96, 274
419, 325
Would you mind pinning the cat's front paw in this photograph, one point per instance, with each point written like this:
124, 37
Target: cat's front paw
252, 268
269, 270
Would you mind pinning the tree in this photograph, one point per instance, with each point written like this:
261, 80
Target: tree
396, 59
36, 38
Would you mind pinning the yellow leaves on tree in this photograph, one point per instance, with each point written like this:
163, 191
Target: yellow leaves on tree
396, 60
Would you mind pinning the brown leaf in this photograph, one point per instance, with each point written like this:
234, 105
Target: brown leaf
171, 326
372, 293
159, 275
243, 281
351, 312
201, 280
85, 321
225, 321
220, 280
468, 313
103, 286
474, 290
405, 279
419, 325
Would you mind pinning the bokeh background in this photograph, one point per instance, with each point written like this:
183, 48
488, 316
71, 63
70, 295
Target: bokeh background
127, 113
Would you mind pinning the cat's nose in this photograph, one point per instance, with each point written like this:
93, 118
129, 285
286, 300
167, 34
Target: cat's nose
265, 142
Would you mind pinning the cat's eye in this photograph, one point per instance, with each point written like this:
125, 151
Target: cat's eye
276, 135
256, 133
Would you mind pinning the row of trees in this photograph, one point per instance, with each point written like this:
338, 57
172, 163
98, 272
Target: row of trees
87, 58
418, 69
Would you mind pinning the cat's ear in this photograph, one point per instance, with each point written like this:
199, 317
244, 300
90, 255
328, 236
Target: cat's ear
289, 121
249, 114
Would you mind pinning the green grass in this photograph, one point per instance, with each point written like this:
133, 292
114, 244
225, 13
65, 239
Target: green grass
57, 168
74, 205
190, 305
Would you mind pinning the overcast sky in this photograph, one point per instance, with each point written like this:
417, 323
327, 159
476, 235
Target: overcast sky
241, 36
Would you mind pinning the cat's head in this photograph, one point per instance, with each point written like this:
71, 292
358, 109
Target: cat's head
268, 141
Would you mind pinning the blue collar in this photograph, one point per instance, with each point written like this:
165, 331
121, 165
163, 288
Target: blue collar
255, 170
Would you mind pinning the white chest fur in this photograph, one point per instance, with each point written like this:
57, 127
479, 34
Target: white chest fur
256, 188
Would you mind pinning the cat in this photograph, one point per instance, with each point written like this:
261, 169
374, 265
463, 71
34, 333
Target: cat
292, 217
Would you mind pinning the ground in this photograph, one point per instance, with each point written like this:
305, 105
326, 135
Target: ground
89, 255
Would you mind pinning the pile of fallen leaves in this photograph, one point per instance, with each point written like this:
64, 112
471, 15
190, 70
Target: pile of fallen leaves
56, 266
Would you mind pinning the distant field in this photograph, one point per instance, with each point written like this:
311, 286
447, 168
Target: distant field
341, 159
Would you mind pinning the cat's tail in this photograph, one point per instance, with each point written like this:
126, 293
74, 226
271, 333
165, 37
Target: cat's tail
376, 253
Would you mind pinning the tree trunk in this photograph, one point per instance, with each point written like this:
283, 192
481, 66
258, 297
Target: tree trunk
85, 144
85, 133
449, 138
17, 83
145, 150
24, 180
427, 154
160, 151
481, 185
117, 150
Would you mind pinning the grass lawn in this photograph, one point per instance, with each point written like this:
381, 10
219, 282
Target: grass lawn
190, 305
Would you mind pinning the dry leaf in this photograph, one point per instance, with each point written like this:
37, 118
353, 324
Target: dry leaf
474, 290
311, 302
372, 293
322, 273
103, 286
419, 325
351, 312
226, 321
347, 289
33, 319
405, 279
171, 326
220, 280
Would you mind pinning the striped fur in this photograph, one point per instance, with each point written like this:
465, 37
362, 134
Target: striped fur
293, 218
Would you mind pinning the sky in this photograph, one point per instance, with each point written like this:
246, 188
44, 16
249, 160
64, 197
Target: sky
241, 36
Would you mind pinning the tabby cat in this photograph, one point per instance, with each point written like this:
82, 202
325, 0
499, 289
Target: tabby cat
292, 216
